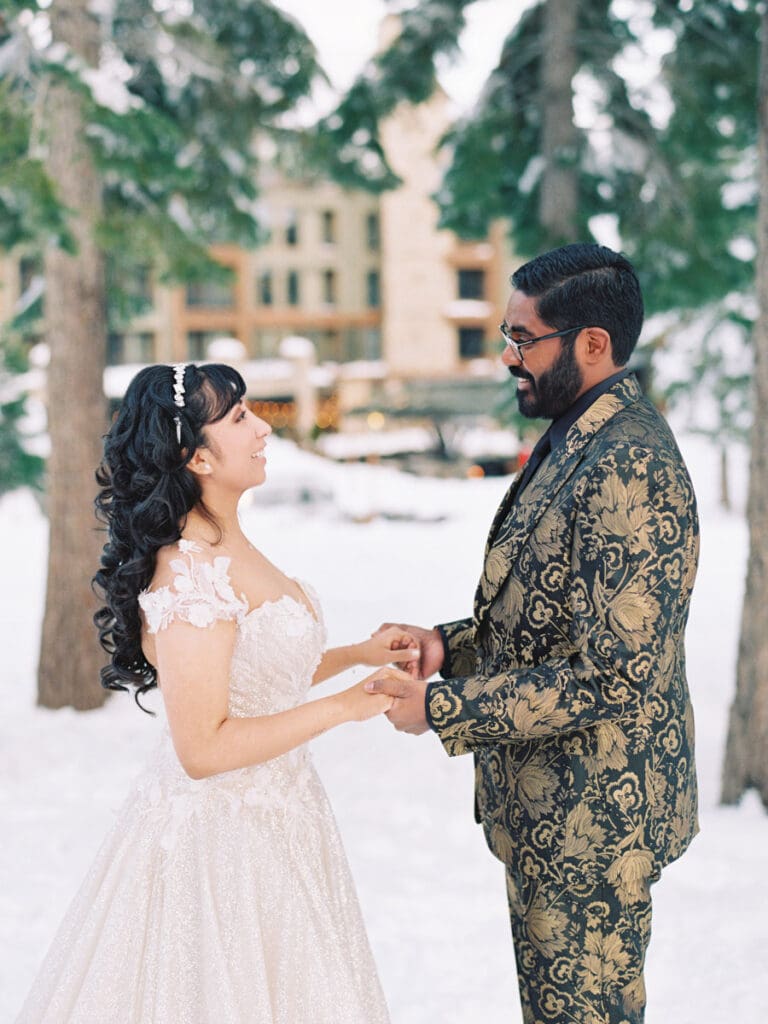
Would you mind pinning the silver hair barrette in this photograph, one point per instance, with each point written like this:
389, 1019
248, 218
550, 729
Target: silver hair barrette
178, 394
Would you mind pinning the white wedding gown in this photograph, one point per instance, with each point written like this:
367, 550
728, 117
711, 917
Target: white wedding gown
226, 900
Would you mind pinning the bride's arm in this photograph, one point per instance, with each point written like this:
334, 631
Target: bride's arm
193, 666
392, 644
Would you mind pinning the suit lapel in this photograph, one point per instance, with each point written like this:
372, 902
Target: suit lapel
516, 520
501, 512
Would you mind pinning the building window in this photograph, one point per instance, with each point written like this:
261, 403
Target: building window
197, 343
351, 344
471, 284
329, 227
330, 347
140, 284
265, 288
329, 287
372, 289
372, 343
292, 288
130, 347
131, 286
140, 348
266, 344
114, 348
471, 342
372, 232
292, 228
218, 294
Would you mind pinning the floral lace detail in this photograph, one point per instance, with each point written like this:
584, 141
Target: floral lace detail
201, 593
283, 791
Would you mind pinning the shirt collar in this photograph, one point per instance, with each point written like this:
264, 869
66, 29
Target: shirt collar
562, 424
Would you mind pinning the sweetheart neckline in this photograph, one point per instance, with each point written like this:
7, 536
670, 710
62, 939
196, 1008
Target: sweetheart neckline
285, 597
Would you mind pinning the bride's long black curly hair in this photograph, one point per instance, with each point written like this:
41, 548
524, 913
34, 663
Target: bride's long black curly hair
146, 493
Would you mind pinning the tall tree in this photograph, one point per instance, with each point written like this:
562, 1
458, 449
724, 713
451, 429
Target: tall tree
677, 184
746, 756
559, 197
75, 329
694, 230
519, 154
134, 140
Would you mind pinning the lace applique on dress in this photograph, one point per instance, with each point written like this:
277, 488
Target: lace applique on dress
201, 593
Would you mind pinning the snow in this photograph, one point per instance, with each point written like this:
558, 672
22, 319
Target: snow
259, 374
432, 895
296, 347
362, 369
372, 442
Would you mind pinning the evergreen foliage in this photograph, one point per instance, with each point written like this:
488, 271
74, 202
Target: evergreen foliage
702, 200
497, 164
29, 210
173, 114
18, 466
681, 193
348, 141
672, 189
693, 238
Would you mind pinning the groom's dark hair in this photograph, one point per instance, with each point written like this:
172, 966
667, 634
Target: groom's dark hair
590, 284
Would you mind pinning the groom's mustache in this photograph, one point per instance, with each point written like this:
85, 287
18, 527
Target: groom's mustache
518, 371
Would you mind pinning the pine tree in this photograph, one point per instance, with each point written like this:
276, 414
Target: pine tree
697, 229
133, 140
19, 467
520, 154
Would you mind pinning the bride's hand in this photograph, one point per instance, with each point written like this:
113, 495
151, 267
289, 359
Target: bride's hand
393, 644
359, 705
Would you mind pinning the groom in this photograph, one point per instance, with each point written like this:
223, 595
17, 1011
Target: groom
568, 682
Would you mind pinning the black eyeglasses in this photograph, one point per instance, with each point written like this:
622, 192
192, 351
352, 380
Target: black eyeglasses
518, 346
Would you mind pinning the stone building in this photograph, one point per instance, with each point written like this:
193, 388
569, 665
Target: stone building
399, 311
364, 277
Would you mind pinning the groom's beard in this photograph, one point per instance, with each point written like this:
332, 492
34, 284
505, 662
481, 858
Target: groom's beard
555, 390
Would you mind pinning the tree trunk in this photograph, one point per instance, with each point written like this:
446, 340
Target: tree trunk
75, 329
559, 137
746, 755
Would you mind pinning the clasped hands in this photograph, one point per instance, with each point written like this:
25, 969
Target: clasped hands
408, 684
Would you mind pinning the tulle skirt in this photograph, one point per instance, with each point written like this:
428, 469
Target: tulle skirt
223, 901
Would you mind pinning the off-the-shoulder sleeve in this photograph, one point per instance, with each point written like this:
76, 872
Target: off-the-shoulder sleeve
201, 593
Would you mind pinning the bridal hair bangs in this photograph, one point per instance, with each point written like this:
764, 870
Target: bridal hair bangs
146, 492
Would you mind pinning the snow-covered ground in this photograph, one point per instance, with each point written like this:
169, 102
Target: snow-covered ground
432, 895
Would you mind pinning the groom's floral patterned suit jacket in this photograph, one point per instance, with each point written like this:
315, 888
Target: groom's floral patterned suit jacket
568, 684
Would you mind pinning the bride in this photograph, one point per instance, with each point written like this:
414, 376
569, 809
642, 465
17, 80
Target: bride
222, 894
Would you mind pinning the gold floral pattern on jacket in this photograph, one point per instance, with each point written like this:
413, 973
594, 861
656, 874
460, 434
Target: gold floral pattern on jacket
568, 683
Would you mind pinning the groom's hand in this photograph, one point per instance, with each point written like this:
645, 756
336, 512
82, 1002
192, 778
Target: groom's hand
408, 713
430, 643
